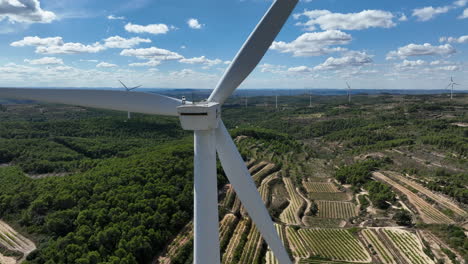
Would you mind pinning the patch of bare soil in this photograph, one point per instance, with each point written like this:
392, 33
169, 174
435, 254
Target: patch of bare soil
14, 241
46, 175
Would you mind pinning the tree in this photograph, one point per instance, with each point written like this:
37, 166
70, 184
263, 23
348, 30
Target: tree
403, 217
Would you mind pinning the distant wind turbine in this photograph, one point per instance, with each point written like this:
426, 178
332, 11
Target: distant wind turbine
452, 83
128, 90
349, 92
210, 136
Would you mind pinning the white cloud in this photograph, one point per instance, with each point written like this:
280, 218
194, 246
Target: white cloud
55, 45
271, 68
403, 18
421, 50
300, 69
350, 21
123, 43
449, 68
106, 65
409, 64
152, 53
201, 60
25, 11
89, 60
462, 39
313, 44
150, 63
112, 17
429, 12
460, 3
193, 23
350, 59
151, 29
71, 48
464, 15
45, 61
37, 41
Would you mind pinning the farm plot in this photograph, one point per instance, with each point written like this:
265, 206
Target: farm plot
320, 187
264, 188
409, 244
226, 225
297, 246
177, 244
335, 196
334, 209
290, 214
334, 244
253, 247
318, 261
440, 199
13, 241
428, 213
228, 255
323, 222
261, 174
379, 247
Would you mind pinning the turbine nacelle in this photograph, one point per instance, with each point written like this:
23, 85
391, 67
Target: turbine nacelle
199, 116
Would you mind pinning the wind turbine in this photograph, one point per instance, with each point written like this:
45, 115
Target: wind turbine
452, 83
210, 135
128, 90
349, 92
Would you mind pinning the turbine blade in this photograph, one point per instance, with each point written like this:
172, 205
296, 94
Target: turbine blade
136, 102
253, 49
123, 85
245, 188
133, 88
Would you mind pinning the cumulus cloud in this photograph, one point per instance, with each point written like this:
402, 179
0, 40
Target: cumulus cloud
421, 50
350, 21
462, 39
464, 15
151, 29
201, 60
150, 63
271, 68
152, 53
409, 64
460, 3
25, 11
429, 12
350, 59
123, 43
193, 23
37, 41
300, 69
45, 61
106, 65
314, 44
56, 45
112, 17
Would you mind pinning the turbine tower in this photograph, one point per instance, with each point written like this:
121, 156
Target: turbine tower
128, 90
452, 83
349, 92
210, 135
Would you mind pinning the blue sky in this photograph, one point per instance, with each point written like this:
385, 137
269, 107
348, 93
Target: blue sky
187, 44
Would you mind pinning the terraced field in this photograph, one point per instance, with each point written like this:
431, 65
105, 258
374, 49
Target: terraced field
228, 255
290, 214
226, 225
253, 247
428, 213
321, 187
264, 188
297, 246
440, 199
14, 242
383, 253
185, 235
330, 196
408, 244
333, 244
316, 261
335, 209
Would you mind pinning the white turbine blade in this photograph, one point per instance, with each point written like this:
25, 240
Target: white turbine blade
253, 49
136, 102
245, 188
124, 85
448, 86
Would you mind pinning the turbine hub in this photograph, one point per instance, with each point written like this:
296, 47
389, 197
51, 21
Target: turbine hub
199, 116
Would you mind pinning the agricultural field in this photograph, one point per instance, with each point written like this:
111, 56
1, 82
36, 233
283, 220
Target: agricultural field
320, 187
16, 245
428, 213
239, 231
335, 209
440, 199
383, 253
251, 253
269, 256
409, 244
333, 244
290, 214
